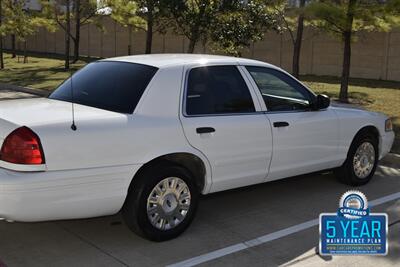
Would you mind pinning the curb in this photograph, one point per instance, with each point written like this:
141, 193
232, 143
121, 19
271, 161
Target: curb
11, 87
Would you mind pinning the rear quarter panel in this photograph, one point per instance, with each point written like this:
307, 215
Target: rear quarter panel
153, 130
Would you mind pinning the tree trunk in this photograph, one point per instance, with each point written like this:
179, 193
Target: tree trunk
130, 40
192, 45
149, 33
193, 40
346, 67
77, 29
195, 31
25, 54
1, 53
1, 38
13, 48
298, 42
67, 33
347, 34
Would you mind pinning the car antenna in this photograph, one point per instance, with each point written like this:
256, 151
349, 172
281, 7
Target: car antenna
73, 126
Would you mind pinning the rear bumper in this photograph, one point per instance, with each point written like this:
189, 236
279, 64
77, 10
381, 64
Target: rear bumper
386, 144
55, 195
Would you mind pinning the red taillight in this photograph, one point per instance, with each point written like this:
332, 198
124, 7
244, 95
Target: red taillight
22, 146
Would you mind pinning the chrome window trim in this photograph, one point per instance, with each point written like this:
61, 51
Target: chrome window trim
259, 94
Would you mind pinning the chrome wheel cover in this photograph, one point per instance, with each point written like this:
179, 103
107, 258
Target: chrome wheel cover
168, 203
364, 160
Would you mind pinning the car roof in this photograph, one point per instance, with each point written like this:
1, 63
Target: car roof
166, 60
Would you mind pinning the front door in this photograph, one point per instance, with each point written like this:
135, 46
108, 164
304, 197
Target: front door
221, 118
304, 139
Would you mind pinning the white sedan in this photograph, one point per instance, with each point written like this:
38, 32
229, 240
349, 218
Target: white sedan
147, 134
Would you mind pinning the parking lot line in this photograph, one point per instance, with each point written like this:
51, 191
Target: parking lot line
266, 238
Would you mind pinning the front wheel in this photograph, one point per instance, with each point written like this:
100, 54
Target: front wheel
161, 203
361, 162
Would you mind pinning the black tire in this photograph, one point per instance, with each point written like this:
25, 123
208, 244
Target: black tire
134, 210
346, 173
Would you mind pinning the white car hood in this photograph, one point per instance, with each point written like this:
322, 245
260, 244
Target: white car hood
43, 111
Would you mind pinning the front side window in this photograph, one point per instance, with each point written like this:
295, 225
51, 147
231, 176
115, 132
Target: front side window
109, 85
279, 91
217, 90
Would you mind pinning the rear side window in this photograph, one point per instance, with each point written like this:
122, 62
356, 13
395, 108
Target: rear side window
217, 90
114, 86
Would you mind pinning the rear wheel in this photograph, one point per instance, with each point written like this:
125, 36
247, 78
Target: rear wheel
361, 162
162, 202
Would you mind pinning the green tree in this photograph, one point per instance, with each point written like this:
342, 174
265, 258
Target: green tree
125, 12
292, 20
13, 49
393, 6
298, 40
393, 9
80, 13
6, 19
157, 17
77, 13
150, 16
84, 12
22, 22
345, 18
238, 24
13, 46
229, 26
59, 11
193, 18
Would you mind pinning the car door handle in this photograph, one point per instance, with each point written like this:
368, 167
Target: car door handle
202, 130
281, 124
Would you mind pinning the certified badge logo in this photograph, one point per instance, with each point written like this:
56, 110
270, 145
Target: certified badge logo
353, 205
353, 230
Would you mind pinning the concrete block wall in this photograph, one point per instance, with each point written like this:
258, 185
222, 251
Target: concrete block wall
375, 55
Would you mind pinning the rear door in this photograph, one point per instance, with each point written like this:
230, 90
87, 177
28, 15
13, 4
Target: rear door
305, 140
221, 118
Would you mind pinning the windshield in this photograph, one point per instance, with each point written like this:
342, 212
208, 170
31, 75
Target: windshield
109, 85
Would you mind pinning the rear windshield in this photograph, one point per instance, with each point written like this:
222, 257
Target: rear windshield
109, 85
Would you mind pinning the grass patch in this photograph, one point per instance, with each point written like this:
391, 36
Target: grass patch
382, 96
38, 73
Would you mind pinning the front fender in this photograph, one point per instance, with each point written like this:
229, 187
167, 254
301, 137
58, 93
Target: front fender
352, 121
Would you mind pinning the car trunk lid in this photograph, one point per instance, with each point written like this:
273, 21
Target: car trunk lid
43, 111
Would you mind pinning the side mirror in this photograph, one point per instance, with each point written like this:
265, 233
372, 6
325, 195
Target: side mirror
322, 102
